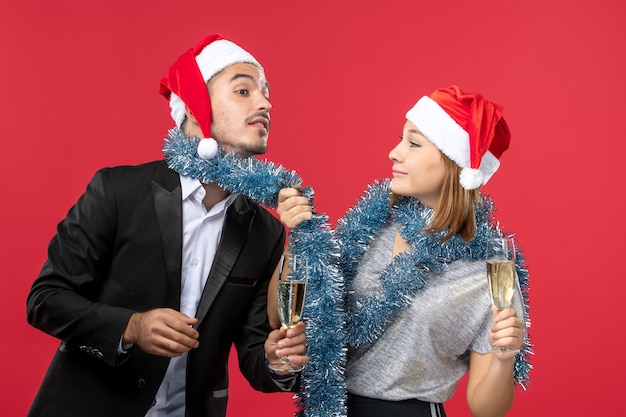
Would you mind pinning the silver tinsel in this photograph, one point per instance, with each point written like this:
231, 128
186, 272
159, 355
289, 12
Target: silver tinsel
323, 390
331, 260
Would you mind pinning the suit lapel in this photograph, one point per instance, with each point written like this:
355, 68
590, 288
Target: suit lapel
234, 234
167, 201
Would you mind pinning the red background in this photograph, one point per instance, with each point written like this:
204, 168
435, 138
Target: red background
79, 92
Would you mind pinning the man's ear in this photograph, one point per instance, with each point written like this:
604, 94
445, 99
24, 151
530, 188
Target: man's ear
190, 115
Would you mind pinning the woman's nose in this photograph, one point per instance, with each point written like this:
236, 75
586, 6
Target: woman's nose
393, 154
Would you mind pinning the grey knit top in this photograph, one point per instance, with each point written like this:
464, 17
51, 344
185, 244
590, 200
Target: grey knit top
425, 351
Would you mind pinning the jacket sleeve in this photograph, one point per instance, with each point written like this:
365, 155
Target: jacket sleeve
62, 300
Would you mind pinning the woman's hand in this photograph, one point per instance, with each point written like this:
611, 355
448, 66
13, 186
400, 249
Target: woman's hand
293, 208
507, 331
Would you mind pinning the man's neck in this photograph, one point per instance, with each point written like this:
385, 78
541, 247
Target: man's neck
214, 194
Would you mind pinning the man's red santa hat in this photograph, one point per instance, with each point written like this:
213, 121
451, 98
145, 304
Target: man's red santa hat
185, 82
467, 128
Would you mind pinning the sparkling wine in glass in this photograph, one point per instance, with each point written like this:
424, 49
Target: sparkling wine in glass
291, 293
501, 276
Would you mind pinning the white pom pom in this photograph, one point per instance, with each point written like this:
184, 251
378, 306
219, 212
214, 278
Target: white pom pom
471, 178
207, 148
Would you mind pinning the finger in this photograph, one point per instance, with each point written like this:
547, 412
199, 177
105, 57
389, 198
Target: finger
288, 342
299, 328
511, 322
172, 331
505, 313
178, 328
184, 328
294, 342
172, 348
513, 338
276, 335
293, 205
292, 220
178, 316
286, 193
298, 349
298, 360
509, 342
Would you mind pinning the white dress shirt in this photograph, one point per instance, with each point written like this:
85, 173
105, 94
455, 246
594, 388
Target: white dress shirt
202, 231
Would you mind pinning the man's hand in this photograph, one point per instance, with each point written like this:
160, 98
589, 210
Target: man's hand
293, 208
290, 342
162, 332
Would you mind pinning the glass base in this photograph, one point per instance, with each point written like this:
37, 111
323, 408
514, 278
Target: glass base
504, 349
285, 366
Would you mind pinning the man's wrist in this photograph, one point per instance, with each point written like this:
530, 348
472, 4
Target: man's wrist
278, 376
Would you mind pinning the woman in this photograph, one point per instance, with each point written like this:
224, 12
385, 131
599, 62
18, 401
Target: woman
412, 255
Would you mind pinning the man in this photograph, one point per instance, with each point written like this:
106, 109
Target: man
152, 276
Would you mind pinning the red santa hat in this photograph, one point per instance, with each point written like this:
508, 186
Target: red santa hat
467, 128
185, 81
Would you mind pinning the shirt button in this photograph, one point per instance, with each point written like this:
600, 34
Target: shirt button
195, 262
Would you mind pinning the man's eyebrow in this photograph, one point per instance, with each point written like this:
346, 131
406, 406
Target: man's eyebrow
241, 75
248, 76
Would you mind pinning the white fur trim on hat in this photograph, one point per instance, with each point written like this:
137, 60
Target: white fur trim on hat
452, 140
489, 164
177, 109
220, 54
441, 130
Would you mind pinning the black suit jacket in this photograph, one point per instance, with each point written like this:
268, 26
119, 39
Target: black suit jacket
119, 251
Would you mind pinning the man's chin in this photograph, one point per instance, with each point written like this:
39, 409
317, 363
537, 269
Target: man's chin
245, 150
248, 151
258, 148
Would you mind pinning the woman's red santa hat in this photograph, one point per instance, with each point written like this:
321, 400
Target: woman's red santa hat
467, 128
185, 82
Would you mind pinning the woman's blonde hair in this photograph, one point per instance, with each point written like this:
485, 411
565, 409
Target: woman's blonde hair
455, 210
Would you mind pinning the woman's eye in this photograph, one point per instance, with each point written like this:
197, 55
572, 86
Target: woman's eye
242, 91
414, 145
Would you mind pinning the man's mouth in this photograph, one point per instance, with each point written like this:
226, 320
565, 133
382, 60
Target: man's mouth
260, 121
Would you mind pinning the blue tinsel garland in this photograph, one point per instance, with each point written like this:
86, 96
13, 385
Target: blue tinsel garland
323, 387
408, 271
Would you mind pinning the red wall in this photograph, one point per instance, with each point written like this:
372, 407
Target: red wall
79, 91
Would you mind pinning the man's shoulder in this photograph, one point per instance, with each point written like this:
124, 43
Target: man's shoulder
153, 169
146, 167
127, 176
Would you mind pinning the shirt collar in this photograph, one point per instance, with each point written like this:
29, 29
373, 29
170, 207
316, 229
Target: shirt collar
191, 185
188, 185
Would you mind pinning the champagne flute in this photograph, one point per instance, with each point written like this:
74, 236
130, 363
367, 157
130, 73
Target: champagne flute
291, 292
501, 276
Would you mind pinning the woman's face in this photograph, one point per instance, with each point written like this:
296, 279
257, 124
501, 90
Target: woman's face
418, 167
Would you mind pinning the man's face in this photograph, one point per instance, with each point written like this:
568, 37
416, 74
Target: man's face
240, 109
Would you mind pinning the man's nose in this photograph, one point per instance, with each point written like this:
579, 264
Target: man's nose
264, 103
